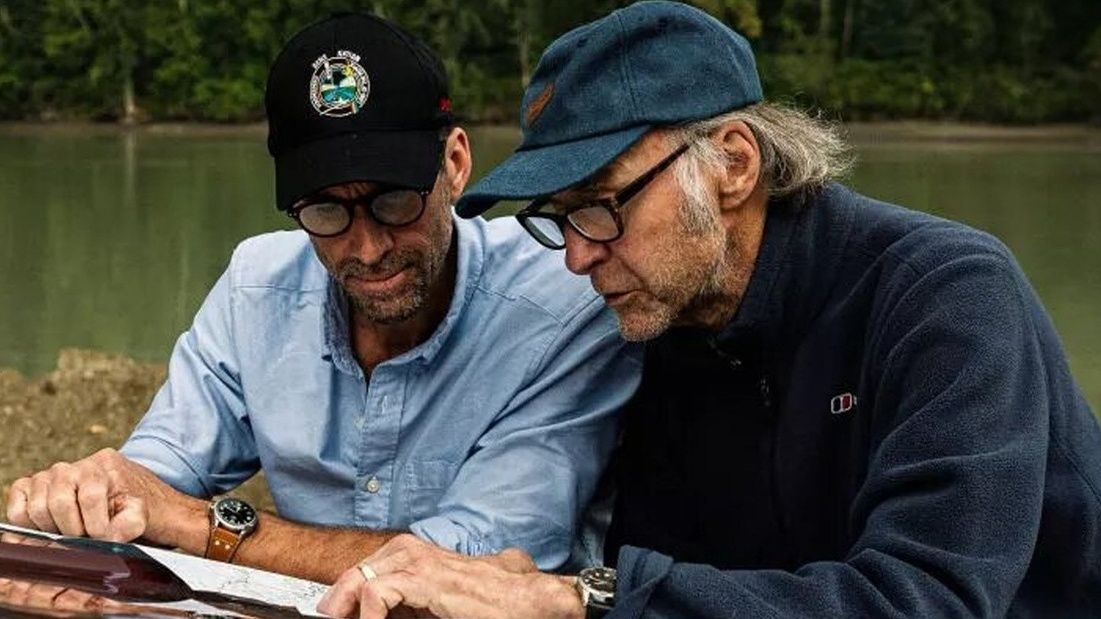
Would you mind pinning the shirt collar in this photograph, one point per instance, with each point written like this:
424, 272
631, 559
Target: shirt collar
335, 334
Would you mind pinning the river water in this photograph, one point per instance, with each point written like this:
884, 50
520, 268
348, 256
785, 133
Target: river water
109, 239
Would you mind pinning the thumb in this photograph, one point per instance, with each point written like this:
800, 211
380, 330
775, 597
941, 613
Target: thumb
128, 518
516, 561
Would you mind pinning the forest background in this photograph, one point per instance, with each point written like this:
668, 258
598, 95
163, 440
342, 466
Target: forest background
998, 61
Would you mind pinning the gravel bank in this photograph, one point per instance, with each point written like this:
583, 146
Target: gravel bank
91, 401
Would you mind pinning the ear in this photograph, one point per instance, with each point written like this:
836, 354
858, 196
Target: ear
457, 161
743, 164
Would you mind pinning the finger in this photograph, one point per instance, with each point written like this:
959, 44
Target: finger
42, 596
102, 604
128, 519
92, 498
17, 594
389, 563
38, 507
341, 598
72, 599
24, 540
516, 561
18, 496
372, 605
61, 499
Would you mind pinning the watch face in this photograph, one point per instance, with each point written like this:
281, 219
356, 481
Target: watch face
600, 579
235, 513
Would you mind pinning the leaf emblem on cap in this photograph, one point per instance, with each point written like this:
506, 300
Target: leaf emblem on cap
535, 108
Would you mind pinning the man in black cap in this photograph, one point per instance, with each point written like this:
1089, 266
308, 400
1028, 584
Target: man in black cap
390, 369
848, 409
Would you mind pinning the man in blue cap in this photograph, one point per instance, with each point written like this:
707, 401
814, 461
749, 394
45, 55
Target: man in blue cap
848, 409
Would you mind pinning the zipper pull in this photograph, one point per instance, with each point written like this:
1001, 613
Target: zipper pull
766, 392
734, 362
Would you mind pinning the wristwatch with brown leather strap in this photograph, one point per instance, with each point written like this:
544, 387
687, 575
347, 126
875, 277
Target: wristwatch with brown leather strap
231, 521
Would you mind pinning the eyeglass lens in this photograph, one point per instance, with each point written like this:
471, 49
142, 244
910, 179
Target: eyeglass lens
393, 208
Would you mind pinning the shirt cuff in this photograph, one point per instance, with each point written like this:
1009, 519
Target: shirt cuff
447, 534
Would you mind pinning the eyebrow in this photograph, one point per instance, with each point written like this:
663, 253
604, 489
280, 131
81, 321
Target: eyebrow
597, 187
330, 193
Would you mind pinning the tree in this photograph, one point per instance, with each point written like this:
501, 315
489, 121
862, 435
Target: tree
97, 42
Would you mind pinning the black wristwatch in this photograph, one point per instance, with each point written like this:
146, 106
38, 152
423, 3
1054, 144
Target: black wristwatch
597, 588
231, 521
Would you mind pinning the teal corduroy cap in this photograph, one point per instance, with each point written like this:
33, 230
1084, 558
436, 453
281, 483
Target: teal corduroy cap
602, 86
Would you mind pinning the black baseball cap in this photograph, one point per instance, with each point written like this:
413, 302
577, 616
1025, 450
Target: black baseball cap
355, 98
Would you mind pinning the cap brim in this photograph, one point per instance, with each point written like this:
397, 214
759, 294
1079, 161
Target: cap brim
405, 158
543, 171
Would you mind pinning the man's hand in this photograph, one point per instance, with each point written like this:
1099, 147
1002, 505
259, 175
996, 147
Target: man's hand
26, 594
103, 496
412, 573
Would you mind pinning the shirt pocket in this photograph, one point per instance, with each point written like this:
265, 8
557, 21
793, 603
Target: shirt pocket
426, 482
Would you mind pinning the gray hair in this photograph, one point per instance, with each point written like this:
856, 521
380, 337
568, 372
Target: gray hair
800, 153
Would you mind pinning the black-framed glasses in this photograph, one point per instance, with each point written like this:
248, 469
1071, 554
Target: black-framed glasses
598, 220
331, 216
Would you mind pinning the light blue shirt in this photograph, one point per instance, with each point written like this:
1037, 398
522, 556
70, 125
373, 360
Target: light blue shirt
490, 434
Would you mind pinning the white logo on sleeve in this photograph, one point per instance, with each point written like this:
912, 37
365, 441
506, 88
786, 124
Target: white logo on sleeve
842, 403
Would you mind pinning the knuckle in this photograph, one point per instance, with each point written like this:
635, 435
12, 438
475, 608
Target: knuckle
38, 511
92, 491
58, 502
87, 467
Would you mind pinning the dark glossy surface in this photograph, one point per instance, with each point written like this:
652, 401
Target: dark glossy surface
80, 577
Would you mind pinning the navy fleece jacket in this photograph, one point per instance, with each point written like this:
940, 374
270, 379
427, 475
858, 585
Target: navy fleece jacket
961, 479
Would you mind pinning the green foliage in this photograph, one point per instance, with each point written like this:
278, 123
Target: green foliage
21, 58
1016, 61
741, 14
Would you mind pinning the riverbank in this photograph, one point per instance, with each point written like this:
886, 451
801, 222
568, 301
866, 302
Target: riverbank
92, 400
1076, 135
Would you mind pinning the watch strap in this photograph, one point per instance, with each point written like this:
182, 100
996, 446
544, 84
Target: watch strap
222, 544
596, 610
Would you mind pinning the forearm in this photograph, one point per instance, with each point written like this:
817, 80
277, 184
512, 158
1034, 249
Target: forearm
304, 551
314, 553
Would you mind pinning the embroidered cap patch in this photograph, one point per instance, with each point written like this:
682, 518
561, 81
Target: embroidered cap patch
339, 85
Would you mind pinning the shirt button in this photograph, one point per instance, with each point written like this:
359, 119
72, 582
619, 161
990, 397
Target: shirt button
372, 485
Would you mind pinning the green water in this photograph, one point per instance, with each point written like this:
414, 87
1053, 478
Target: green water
109, 240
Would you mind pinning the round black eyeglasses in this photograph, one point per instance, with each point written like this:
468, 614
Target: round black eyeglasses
598, 220
331, 216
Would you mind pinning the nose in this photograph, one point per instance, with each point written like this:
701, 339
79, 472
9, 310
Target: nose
366, 238
582, 255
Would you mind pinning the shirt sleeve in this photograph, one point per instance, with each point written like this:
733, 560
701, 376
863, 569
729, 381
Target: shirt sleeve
950, 508
195, 435
535, 469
